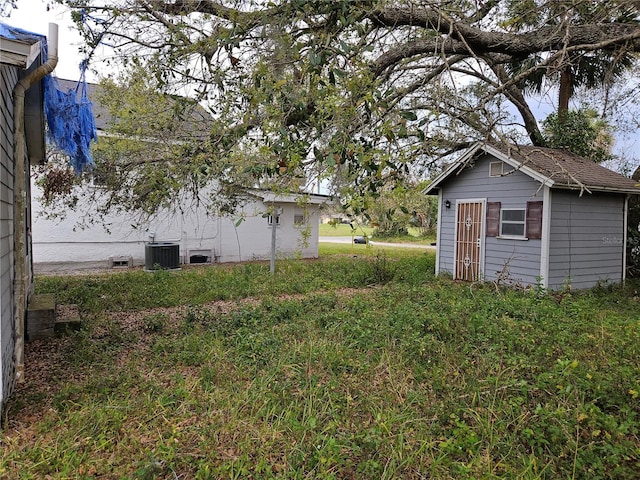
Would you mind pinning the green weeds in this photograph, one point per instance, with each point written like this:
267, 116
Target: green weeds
415, 377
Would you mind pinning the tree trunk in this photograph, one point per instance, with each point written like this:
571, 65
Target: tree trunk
515, 95
565, 92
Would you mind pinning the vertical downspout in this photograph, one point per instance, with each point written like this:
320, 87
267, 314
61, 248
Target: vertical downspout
21, 278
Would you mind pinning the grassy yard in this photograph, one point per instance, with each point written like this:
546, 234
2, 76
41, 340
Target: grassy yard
342, 368
343, 230
370, 251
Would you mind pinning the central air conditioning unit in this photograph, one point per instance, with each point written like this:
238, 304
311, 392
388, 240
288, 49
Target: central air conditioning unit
161, 256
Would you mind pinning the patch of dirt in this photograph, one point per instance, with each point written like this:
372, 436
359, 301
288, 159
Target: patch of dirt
46, 364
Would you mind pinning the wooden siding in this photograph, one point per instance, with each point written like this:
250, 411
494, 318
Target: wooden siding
520, 257
586, 244
8, 78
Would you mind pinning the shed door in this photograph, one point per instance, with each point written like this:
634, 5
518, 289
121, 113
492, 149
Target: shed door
469, 236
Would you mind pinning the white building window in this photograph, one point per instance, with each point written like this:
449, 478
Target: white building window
299, 219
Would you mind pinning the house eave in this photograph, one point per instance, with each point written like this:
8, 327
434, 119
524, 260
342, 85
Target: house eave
462, 161
26, 54
600, 189
268, 196
535, 175
19, 53
543, 179
433, 188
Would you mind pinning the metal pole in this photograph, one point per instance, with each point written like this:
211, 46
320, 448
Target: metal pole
275, 216
272, 267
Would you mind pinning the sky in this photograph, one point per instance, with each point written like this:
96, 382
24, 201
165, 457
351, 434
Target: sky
32, 15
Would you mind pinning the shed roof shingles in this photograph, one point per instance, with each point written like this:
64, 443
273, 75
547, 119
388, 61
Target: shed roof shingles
568, 170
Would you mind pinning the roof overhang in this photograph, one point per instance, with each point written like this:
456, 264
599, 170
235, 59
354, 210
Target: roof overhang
597, 188
24, 51
458, 166
20, 53
455, 168
270, 197
546, 181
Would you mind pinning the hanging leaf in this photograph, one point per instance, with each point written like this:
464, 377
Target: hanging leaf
409, 115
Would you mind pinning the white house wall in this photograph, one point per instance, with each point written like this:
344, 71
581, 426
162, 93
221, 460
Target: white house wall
251, 240
194, 230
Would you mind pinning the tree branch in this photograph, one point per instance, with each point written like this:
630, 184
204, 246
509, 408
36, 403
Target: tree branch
516, 97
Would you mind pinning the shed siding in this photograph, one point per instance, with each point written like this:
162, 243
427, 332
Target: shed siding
8, 78
586, 239
519, 259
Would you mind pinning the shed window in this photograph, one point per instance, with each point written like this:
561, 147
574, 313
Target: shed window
496, 169
520, 223
512, 222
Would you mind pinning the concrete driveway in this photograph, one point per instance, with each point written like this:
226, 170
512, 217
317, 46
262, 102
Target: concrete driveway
348, 240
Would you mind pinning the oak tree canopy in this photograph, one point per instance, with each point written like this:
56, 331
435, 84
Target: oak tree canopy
364, 92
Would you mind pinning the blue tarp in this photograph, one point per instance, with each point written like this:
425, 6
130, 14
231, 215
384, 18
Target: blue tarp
13, 33
71, 123
69, 114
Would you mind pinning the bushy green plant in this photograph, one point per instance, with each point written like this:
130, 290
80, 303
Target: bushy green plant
394, 211
382, 271
633, 236
581, 132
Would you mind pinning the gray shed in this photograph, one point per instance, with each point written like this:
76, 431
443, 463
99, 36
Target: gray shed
531, 215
